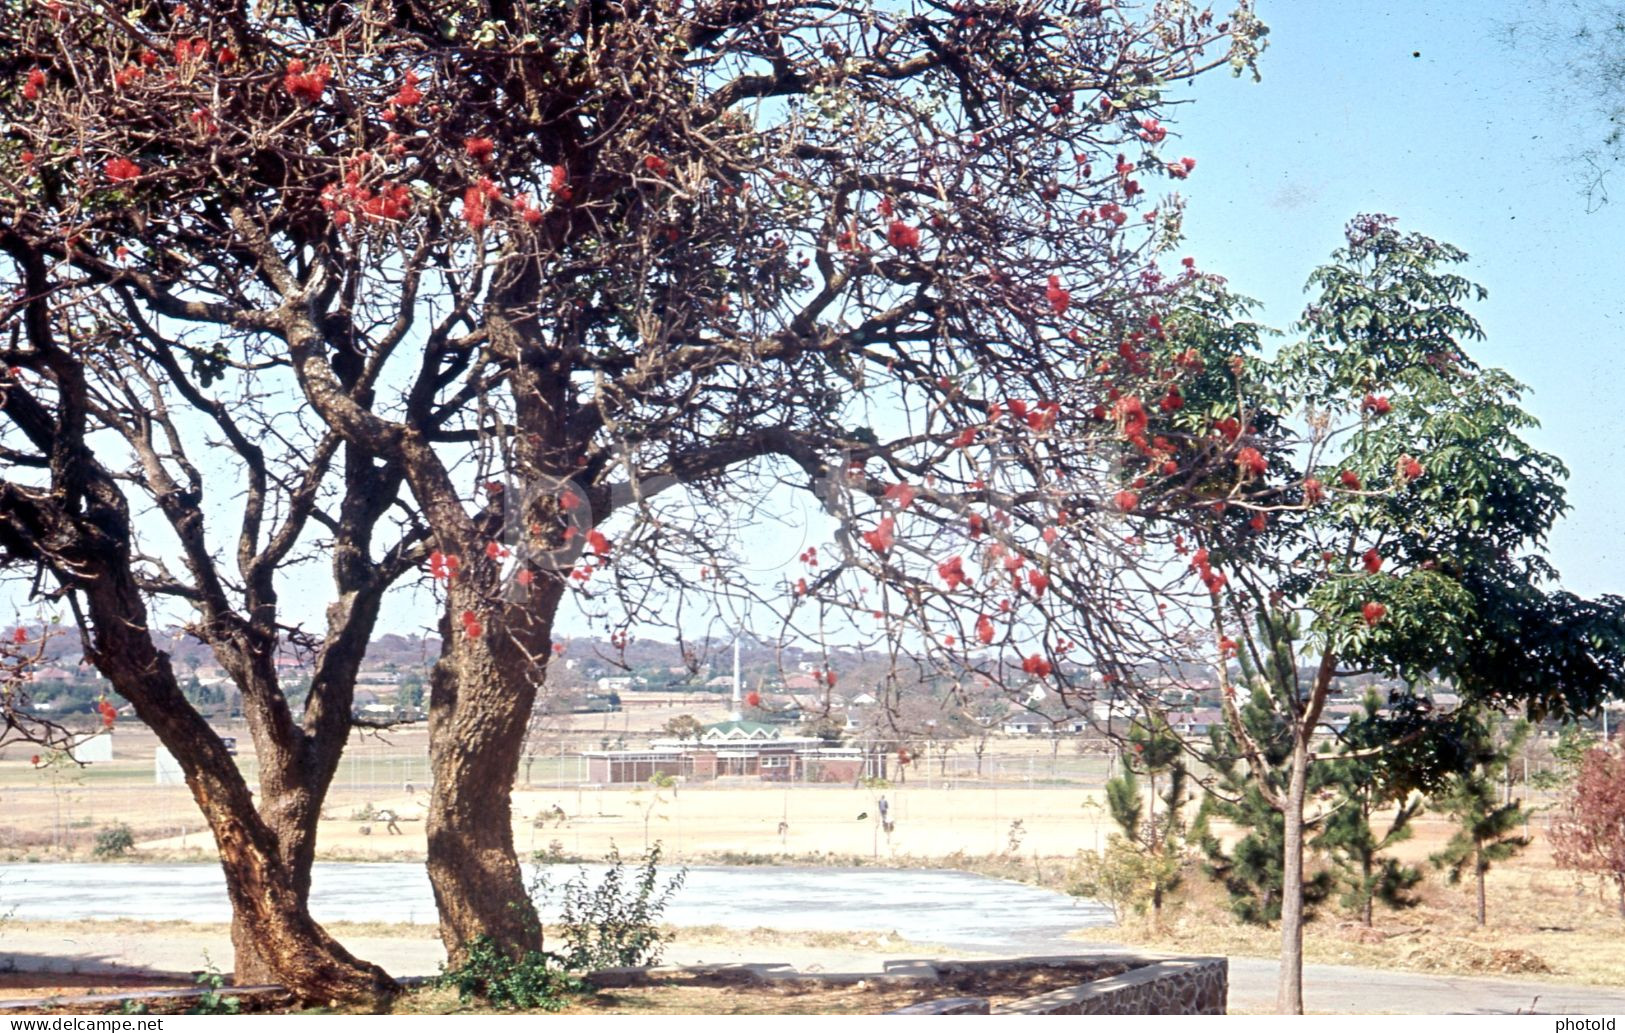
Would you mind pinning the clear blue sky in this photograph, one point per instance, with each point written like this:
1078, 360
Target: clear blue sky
1469, 142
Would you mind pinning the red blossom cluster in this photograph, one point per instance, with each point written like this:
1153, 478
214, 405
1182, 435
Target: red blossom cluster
1058, 299
121, 169
1373, 612
109, 713
559, 183
441, 566
881, 539
307, 86
471, 624
34, 84
408, 96
1036, 666
475, 199
1251, 461
391, 201
1212, 579
902, 236
195, 49
1182, 168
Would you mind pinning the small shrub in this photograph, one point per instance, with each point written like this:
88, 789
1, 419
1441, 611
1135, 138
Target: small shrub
212, 1001
114, 841
1120, 877
536, 982
617, 924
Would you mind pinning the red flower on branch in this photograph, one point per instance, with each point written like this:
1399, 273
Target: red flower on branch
902, 494
902, 236
1376, 405
882, 537
558, 181
471, 624
1126, 500
953, 572
1409, 468
1036, 666
1372, 560
34, 84
121, 169
597, 542
306, 86
1314, 492
1251, 462
1349, 479
1038, 581
984, 630
1373, 612
1058, 299
480, 148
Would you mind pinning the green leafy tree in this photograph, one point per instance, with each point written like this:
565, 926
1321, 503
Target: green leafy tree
683, 726
1384, 515
1488, 830
1353, 834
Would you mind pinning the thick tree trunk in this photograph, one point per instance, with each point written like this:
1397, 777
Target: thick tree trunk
481, 693
1289, 992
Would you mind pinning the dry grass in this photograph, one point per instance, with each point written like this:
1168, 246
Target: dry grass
1538, 928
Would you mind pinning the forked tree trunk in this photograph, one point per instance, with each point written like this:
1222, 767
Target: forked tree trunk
1289, 992
481, 693
268, 905
89, 551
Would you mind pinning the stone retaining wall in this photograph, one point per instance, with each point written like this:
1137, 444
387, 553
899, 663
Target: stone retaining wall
1183, 986
1143, 984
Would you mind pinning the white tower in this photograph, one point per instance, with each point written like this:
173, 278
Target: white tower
738, 710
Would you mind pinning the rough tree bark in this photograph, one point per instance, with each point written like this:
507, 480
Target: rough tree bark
89, 551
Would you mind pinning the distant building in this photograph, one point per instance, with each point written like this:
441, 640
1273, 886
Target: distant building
738, 749
1027, 724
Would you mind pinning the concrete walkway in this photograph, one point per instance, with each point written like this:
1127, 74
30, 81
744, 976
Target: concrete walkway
150, 949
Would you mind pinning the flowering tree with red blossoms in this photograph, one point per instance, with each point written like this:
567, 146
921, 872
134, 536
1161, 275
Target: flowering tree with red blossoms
587, 281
